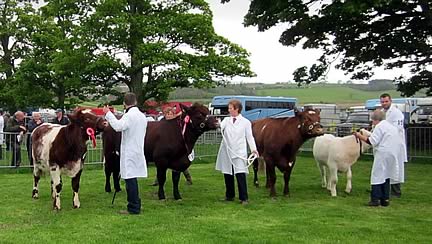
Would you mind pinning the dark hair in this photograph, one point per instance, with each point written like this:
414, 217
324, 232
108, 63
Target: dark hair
130, 99
236, 104
384, 95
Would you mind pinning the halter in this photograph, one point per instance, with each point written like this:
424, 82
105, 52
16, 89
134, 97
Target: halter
311, 126
187, 120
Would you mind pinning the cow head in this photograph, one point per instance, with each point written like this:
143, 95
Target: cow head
85, 118
310, 123
365, 146
200, 118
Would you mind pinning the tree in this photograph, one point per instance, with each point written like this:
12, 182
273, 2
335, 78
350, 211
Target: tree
156, 46
61, 66
361, 34
14, 24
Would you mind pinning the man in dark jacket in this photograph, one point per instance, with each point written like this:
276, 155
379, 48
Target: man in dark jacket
16, 126
32, 124
60, 119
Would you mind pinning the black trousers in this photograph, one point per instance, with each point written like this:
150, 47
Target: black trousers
381, 192
241, 184
134, 201
16, 154
396, 190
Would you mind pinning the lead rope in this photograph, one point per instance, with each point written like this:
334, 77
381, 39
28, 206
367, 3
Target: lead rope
249, 161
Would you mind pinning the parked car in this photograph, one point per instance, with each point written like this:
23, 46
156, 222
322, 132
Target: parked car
355, 121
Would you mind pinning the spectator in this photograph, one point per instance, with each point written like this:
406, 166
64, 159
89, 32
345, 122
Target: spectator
16, 126
60, 119
32, 124
2, 125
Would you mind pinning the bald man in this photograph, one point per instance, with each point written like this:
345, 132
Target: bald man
16, 127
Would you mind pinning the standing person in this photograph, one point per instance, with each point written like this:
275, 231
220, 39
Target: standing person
2, 125
133, 126
387, 145
32, 124
16, 126
60, 119
168, 114
395, 117
236, 131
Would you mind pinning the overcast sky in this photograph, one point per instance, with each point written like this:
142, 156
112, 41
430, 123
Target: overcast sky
271, 61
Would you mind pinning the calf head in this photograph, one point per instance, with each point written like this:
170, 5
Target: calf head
85, 118
365, 146
310, 123
200, 118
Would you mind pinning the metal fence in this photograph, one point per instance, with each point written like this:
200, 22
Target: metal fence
14, 151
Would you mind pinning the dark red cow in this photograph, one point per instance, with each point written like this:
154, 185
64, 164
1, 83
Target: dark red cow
62, 149
169, 142
278, 140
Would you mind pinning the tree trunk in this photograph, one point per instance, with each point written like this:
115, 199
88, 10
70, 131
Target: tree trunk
61, 96
7, 57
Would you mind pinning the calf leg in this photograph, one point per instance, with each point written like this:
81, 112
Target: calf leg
333, 180
56, 187
287, 176
36, 177
322, 169
107, 179
255, 169
271, 179
175, 179
349, 184
161, 176
75, 187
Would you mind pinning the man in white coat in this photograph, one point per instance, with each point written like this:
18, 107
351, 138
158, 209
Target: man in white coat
387, 145
236, 131
396, 118
133, 126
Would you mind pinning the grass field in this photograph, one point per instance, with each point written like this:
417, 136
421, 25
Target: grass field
310, 215
327, 94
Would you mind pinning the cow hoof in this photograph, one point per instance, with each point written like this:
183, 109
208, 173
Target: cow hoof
108, 190
273, 199
76, 206
35, 196
347, 192
162, 200
256, 184
286, 194
179, 200
118, 190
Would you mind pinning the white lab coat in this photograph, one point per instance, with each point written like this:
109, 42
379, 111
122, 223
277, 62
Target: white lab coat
236, 135
396, 118
1, 130
133, 126
388, 152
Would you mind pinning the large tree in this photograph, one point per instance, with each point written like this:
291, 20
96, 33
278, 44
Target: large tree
361, 34
14, 24
159, 45
61, 69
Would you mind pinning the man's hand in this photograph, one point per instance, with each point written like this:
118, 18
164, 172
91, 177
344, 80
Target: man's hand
256, 153
23, 128
106, 109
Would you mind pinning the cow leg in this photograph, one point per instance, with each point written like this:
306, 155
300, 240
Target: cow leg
255, 169
75, 187
272, 179
287, 176
333, 180
175, 179
268, 172
107, 179
161, 175
116, 180
36, 177
323, 174
56, 187
349, 184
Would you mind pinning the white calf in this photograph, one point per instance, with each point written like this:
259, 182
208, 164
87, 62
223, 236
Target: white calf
337, 154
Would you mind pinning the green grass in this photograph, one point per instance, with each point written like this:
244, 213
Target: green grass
327, 94
310, 215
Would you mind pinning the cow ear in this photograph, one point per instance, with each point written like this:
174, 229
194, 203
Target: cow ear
184, 108
317, 111
296, 111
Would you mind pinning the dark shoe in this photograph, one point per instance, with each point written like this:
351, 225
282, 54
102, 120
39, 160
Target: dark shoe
189, 182
373, 204
126, 212
226, 199
385, 203
246, 202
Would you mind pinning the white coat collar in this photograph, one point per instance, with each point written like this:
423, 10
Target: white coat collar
238, 118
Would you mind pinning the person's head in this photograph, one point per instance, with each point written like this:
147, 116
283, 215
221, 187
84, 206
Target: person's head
130, 100
19, 116
377, 116
168, 113
36, 115
385, 100
59, 113
234, 107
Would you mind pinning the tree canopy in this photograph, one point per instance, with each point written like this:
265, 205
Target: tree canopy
361, 34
